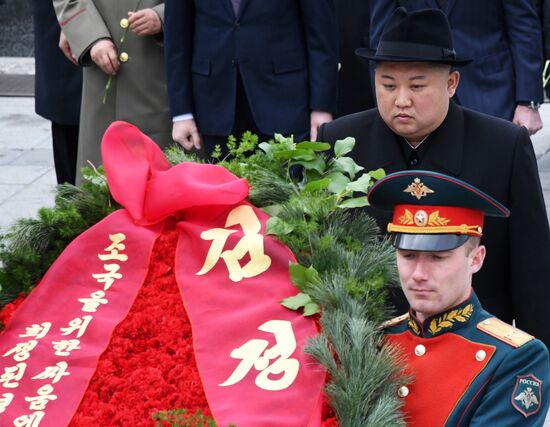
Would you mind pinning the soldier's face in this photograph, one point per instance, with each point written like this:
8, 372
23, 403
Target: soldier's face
436, 281
413, 97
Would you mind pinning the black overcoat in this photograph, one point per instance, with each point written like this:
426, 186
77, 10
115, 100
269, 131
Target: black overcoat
497, 157
58, 83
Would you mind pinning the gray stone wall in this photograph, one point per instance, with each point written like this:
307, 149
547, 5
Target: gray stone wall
16, 33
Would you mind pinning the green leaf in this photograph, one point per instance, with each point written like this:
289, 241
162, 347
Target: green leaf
347, 165
311, 308
338, 182
362, 184
317, 163
319, 184
272, 210
277, 226
344, 146
302, 276
297, 301
356, 202
377, 174
294, 154
315, 146
266, 147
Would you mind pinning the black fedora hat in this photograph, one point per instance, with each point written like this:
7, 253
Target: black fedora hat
420, 36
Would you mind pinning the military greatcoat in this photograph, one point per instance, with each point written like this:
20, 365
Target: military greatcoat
138, 93
471, 369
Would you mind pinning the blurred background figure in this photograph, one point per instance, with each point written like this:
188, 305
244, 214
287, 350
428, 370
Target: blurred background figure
504, 39
353, 76
267, 66
122, 54
58, 88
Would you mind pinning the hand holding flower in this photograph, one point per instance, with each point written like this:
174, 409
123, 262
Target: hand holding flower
104, 55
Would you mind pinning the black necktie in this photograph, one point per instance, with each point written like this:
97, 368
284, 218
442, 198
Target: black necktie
442, 4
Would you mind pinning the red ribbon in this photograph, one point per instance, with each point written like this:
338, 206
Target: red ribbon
231, 276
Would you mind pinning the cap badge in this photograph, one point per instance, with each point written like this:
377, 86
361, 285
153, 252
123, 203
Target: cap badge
421, 219
418, 189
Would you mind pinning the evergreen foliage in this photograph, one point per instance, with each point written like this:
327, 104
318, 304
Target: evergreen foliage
31, 245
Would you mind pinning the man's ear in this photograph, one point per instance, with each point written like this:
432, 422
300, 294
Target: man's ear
452, 82
477, 256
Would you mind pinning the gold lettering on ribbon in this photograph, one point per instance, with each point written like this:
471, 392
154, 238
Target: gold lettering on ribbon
111, 274
251, 244
5, 400
12, 375
77, 324
115, 248
255, 354
91, 304
55, 373
37, 330
64, 347
32, 420
21, 351
45, 394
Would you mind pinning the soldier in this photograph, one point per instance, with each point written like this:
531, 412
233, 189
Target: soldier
468, 367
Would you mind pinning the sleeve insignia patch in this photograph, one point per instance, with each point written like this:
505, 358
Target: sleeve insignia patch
504, 332
527, 395
395, 320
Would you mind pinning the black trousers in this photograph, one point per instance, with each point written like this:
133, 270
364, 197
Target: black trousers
244, 120
65, 150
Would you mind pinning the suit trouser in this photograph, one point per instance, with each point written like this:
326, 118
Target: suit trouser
243, 121
65, 148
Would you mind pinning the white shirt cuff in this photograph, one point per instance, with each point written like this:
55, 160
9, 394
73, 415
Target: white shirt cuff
182, 117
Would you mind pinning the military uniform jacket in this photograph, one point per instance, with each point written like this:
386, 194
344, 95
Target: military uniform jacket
498, 158
471, 369
137, 94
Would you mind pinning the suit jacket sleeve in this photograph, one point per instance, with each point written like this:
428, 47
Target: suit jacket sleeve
525, 40
529, 242
320, 27
178, 52
82, 24
496, 407
380, 12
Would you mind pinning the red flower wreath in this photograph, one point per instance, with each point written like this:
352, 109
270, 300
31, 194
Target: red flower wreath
149, 365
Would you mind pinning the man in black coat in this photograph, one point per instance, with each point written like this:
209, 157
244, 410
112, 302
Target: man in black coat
58, 89
416, 126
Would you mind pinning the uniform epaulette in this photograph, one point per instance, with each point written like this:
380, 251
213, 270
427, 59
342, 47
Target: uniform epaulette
395, 320
504, 332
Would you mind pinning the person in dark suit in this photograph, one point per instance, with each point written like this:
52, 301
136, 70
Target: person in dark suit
504, 39
58, 90
267, 66
416, 125
353, 32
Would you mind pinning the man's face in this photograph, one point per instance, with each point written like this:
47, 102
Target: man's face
436, 281
413, 97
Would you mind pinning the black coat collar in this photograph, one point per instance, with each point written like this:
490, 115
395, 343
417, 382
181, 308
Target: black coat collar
444, 154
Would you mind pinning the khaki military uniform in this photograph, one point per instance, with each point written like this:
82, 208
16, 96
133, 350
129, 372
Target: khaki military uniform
137, 94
